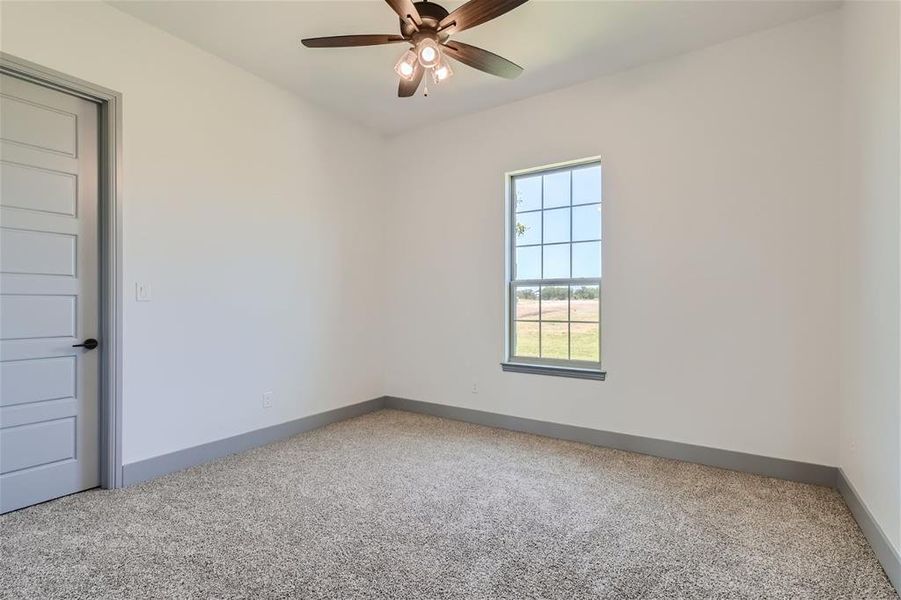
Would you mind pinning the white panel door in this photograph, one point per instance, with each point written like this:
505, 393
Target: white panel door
49, 401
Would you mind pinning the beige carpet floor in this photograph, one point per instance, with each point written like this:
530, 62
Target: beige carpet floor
399, 505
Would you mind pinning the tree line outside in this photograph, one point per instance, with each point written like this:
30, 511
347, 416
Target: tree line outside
558, 292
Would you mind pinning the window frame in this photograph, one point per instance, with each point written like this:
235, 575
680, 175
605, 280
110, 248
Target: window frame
539, 365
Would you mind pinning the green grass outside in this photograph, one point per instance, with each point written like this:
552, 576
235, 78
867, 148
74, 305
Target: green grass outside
554, 343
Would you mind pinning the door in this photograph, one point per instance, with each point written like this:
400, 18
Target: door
49, 395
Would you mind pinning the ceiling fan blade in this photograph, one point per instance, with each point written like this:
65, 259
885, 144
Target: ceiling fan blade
476, 12
405, 8
408, 88
482, 60
344, 41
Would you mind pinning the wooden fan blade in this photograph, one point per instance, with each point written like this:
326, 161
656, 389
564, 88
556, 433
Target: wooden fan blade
344, 41
482, 60
405, 8
408, 88
476, 12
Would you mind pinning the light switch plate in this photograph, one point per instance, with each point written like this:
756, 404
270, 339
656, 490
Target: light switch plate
142, 292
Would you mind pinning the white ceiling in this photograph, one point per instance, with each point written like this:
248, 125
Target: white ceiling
559, 43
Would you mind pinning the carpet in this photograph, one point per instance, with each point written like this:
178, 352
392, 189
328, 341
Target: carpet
400, 505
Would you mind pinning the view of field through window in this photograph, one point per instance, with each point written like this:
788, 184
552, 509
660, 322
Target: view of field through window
557, 265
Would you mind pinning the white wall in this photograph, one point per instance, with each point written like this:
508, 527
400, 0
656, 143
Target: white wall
870, 416
257, 220
252, 216
720, 321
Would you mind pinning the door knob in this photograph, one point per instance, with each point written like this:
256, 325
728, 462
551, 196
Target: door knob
89, 343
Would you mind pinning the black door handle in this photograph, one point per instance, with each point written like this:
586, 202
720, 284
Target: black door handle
89, 343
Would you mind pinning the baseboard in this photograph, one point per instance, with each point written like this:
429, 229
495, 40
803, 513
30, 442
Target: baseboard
714, 457
158, 466
882, 547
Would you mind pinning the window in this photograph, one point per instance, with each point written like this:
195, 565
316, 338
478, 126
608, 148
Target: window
554, 285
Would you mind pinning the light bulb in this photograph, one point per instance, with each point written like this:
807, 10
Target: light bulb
442, 72
429, 55
406, 66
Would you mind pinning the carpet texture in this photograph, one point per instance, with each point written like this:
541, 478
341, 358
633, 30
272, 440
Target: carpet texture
399, 505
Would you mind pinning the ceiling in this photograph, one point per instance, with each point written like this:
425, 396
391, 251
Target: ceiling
559, 43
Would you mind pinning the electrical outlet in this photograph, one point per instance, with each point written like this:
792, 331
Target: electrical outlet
267, 399
475, 388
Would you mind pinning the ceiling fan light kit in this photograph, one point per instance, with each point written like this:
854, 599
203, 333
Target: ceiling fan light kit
442, 72
427, 27
428, 53
406, 66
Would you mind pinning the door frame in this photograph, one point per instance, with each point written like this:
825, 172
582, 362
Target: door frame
110, 233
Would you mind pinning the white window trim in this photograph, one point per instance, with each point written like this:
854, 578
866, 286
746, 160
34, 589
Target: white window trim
533, 365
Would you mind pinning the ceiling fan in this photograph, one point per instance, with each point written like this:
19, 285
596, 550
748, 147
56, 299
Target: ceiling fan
427, 27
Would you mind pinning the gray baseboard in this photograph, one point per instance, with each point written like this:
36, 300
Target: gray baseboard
887, 555
714, 457
158, 466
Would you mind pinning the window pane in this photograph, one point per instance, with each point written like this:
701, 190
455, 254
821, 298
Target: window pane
584, 305
585, 344
528, 228
555, 340
555, 238
526, 299
586, 259
587, 222
556, 225
554, 303
556, 261
527, 192
526, 339
528, 262
556, 189
587, 185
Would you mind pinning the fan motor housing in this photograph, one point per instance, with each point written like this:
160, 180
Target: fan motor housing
430, 13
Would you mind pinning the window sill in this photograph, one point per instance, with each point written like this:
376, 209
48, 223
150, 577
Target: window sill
555, 371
